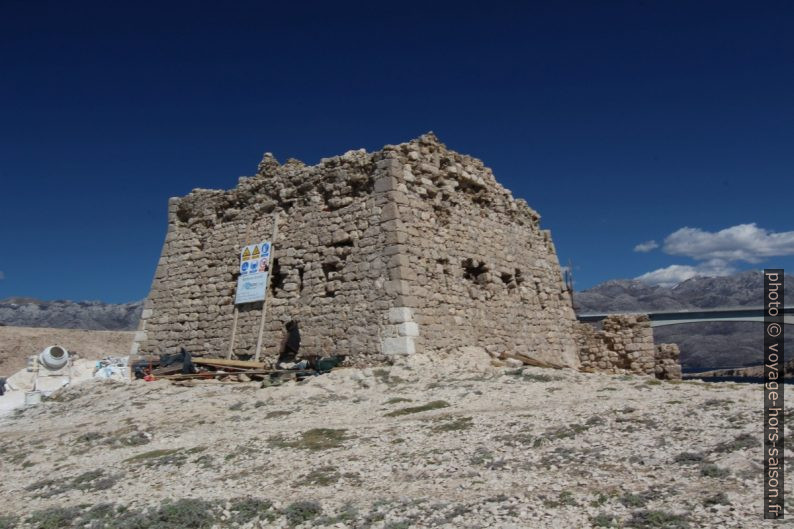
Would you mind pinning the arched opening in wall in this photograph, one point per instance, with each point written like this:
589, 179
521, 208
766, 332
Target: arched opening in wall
301, 271
277, 277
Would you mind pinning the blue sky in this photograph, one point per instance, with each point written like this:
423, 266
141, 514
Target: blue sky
620, 122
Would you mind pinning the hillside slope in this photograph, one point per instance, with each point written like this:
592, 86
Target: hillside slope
398, 447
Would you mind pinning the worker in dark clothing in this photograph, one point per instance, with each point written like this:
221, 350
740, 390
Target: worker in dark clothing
293, 342
290, 345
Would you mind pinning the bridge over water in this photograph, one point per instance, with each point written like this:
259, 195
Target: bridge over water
659, 319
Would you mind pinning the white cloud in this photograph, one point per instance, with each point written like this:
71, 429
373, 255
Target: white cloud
743, 242
668, 277
674, 274
646, 246
716, 251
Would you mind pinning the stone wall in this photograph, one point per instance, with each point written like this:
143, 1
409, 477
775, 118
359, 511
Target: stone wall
624, 344
410, 248
475, 260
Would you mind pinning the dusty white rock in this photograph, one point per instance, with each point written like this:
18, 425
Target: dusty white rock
473, 449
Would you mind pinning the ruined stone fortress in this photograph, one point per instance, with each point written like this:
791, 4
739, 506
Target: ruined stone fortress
413, 248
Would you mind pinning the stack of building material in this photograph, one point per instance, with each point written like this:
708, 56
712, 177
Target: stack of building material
183, 366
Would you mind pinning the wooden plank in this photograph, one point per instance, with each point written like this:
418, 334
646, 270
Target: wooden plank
234, 332
228, 363
215, 374
236, 310
170, 373
532, 361
167, 370
267, 285
143, 358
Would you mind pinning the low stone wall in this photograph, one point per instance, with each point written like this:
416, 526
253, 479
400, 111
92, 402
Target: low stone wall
625, 345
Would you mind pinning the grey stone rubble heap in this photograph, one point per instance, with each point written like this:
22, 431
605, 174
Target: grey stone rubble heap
413, 248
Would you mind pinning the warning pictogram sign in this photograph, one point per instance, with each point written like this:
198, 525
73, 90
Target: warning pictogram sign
254, 265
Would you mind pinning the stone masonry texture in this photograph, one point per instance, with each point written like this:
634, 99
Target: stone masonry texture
413, 248
625, 344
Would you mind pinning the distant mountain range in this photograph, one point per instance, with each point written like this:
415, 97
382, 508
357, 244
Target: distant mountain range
703, 345
741, 290
64, 314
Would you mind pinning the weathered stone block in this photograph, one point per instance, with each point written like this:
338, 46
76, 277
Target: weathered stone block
400, 315
401, 345
385, 183
408, 329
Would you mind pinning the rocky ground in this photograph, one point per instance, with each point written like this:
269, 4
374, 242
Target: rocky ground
417, 445
17, 343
